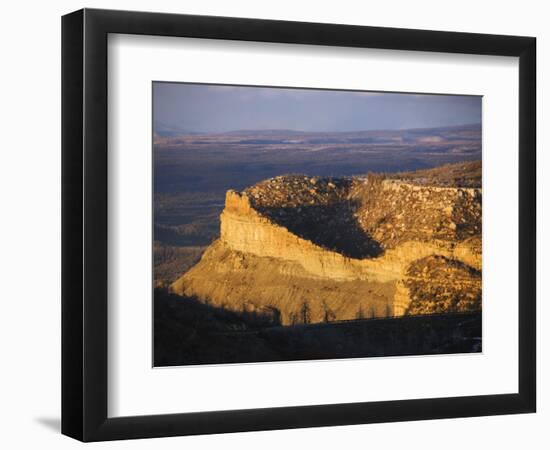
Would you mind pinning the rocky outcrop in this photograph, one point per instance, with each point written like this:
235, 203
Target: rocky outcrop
286, 248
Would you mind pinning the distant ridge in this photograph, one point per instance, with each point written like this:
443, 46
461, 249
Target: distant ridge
264, 132
173, 131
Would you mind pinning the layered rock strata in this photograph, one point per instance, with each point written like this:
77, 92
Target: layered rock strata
309, 250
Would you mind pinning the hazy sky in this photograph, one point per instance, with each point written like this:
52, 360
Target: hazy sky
211, 108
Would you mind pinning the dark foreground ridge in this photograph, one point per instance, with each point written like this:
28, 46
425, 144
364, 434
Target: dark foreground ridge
189, 332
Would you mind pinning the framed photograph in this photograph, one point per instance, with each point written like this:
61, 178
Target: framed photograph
273, 224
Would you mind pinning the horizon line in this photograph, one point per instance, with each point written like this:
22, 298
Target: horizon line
248, 130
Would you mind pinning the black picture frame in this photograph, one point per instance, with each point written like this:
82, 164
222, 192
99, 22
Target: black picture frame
84, 224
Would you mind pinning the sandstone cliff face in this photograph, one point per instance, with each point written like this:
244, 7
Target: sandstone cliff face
285, 249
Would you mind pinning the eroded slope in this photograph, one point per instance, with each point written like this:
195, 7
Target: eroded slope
321, 249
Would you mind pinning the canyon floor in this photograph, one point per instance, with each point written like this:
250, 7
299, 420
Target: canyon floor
189, 332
